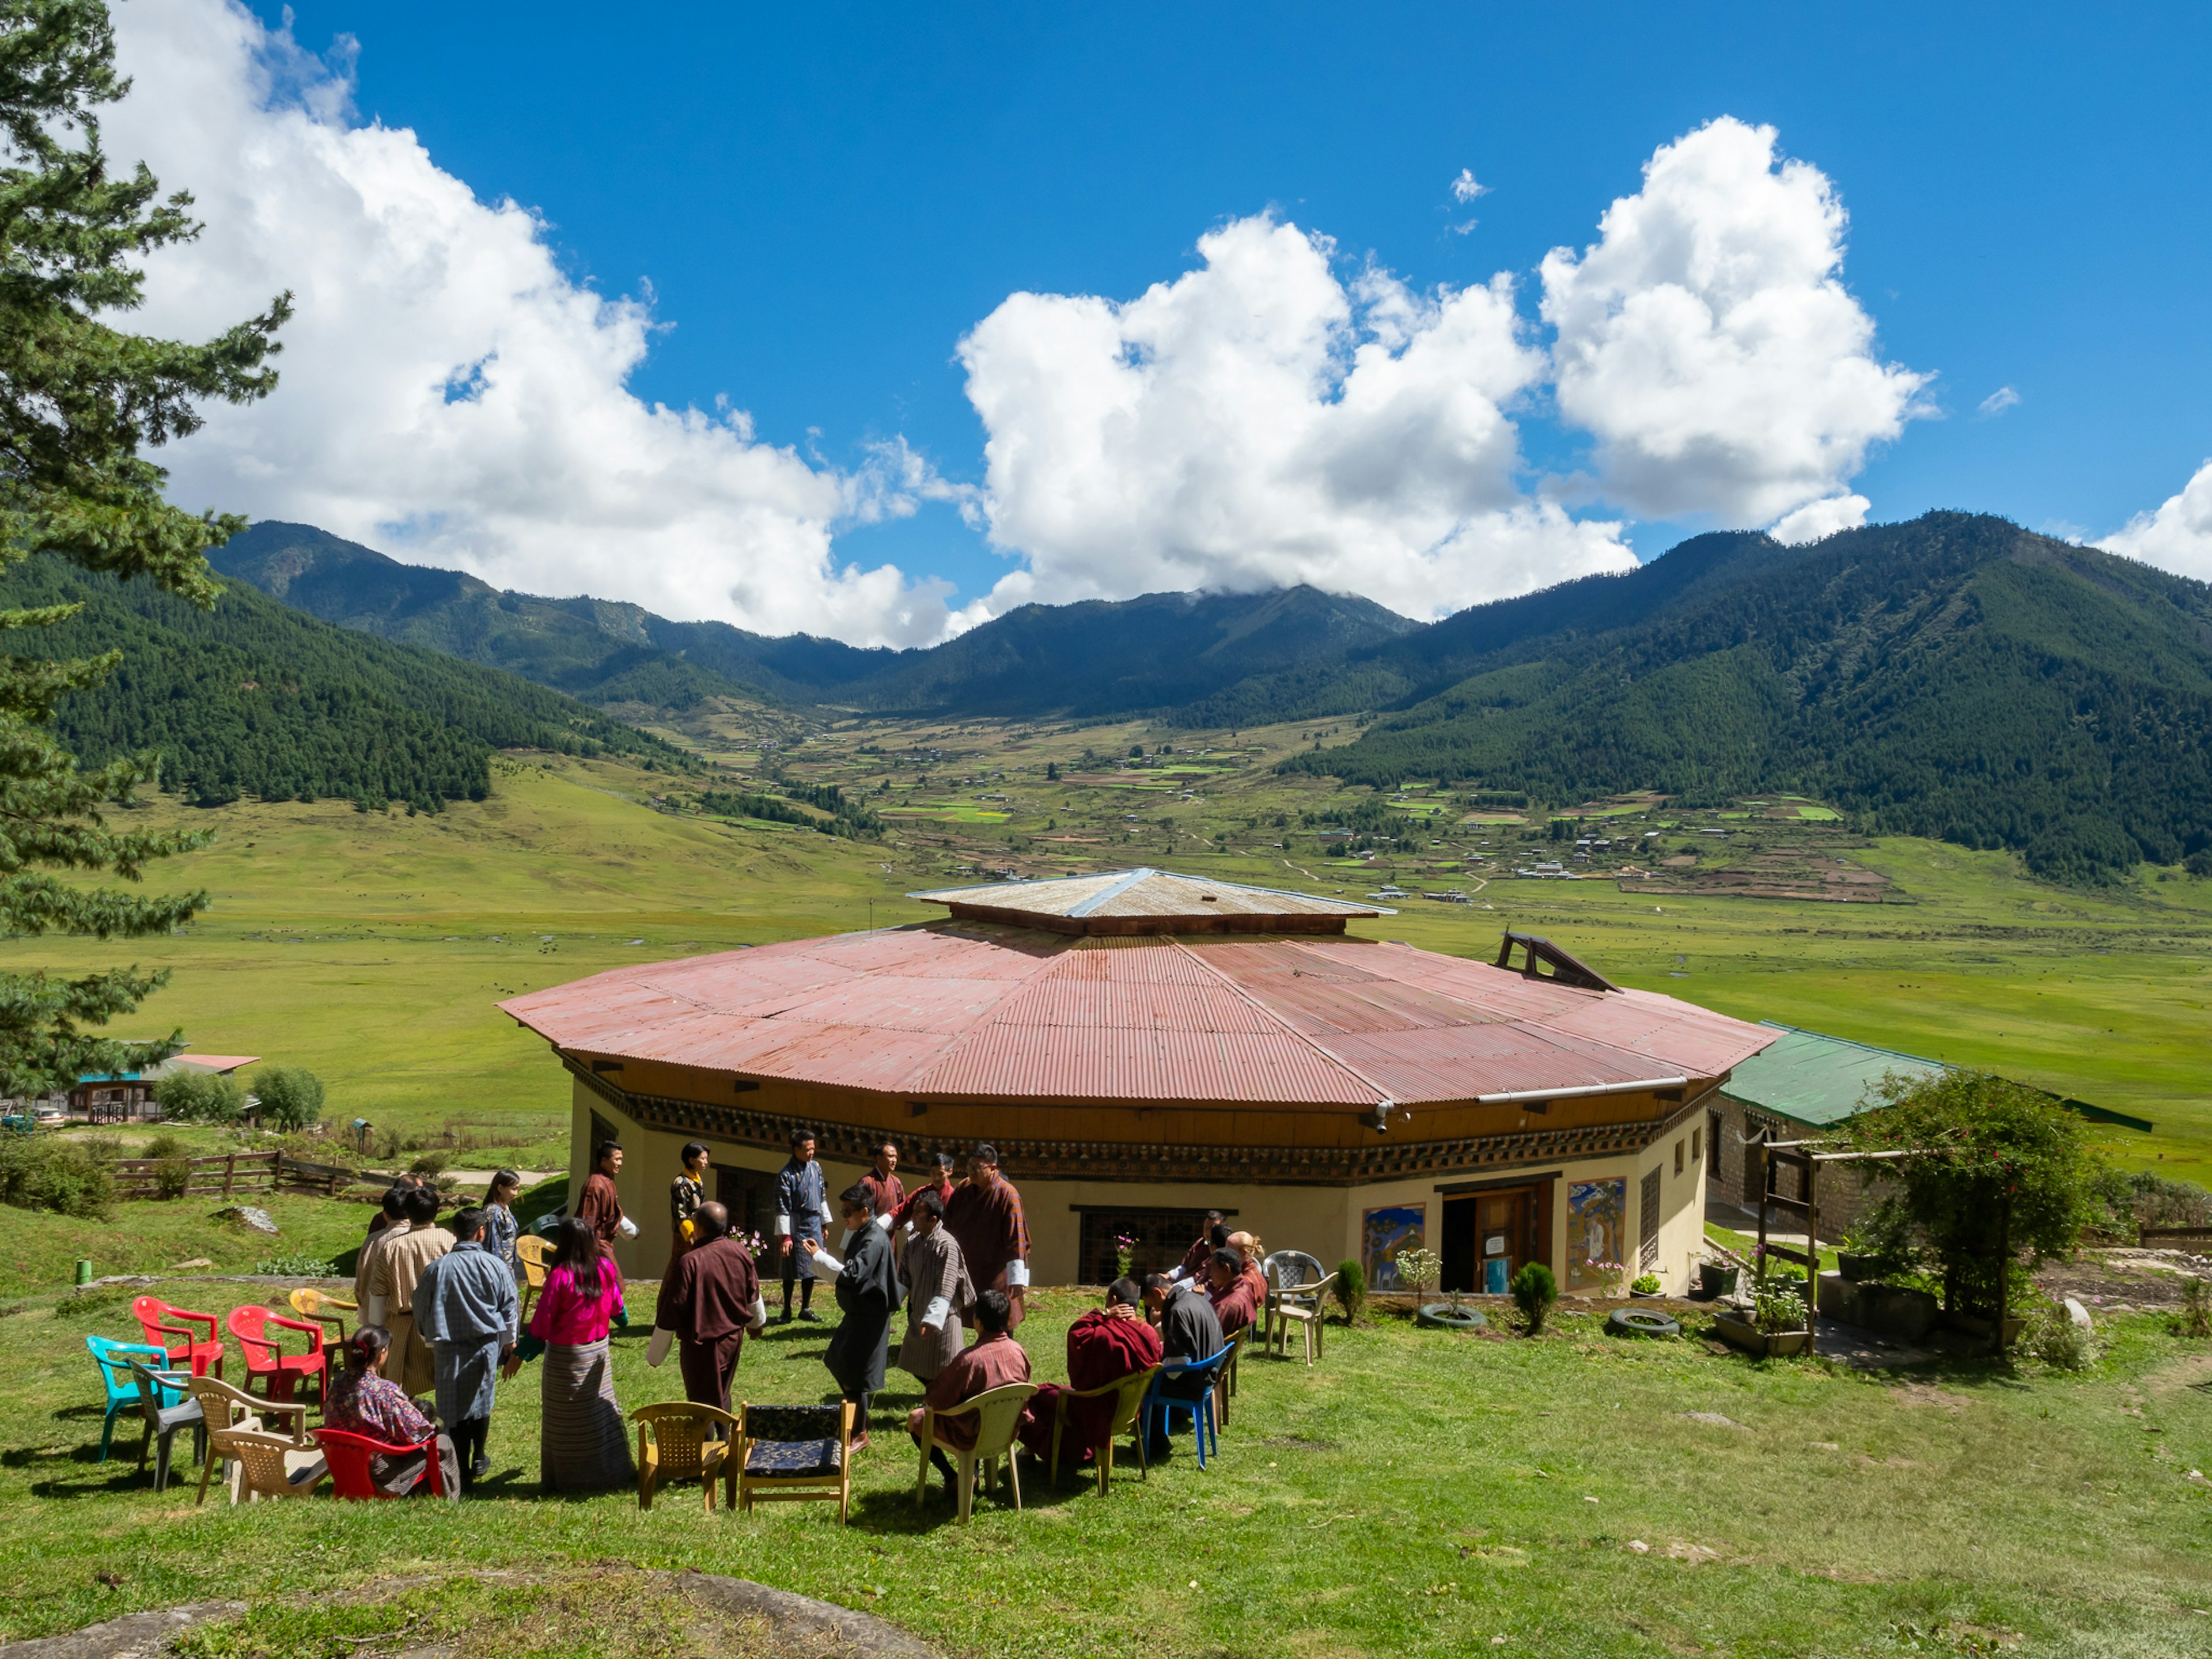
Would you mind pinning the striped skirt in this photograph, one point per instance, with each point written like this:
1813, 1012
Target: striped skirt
584, 1444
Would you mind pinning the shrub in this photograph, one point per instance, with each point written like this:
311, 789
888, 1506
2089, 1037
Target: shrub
172, 1168
1351, 1290
291, 1097
298, 1267
1417, 1269
2053, 1337
1647, 1284
1777, 1304
196, 1096
1534, 1290
2196, 1318
431, 1164
69, 1177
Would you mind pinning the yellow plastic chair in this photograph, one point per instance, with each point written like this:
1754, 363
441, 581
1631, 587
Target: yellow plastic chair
998, 1414
794, 1453
231, 1410
1129, 1399
324, 1309
676, 1441
536, 1255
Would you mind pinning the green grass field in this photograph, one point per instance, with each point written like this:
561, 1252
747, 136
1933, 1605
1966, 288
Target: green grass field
1419, 1493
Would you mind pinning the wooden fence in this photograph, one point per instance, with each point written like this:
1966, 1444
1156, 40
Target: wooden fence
230, 1173
2163, 1237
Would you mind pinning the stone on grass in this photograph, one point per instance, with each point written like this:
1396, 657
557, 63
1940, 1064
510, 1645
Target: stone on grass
187, 1267
249, 1215
2079, 1314
1712, 1420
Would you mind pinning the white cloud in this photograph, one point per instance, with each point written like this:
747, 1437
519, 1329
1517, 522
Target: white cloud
1707, 342
448, 393
1464, 189
1997, 401
1257, 423
1822, 518
2177, 537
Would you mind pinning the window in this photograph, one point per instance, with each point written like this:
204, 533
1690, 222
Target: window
1694, 1133
1160, 1238
1647, 1249
1678, 1157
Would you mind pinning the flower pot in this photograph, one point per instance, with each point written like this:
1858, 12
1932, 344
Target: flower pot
1633, 1291
1854, 1267
1742, 1334
1717, 1278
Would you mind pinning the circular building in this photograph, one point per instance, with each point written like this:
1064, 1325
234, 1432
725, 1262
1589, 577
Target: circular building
1142, 1047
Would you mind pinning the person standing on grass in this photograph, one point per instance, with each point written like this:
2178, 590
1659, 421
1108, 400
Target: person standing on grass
361, 1401
391, 1301
467, 1308
501, 1229
995, 1360
985, 1214
885, 1191
802, 1209
685, 1194
583, 1444
709, 1302
868, 1294
601, 1205
939, 1293
393, 1212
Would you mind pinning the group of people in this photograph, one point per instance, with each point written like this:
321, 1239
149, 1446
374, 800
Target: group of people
441, 1312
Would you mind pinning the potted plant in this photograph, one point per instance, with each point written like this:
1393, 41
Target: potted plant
1778, 1322
1611, 1276
1716, 1278
1645, 1284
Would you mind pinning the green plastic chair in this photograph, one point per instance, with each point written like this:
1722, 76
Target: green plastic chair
114, 1359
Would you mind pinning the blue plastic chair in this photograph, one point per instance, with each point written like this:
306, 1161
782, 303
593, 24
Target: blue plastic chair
1200, 1411
114, 1359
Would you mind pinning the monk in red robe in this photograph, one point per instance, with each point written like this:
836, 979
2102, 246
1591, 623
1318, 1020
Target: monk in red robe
1103, 1346
1235, 1304
600, 1205
985, 1215
1211, 1237
996, 1360
942, 1185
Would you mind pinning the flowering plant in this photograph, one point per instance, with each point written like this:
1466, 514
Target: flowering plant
1417, 1269
1125, 1253
1609, 1275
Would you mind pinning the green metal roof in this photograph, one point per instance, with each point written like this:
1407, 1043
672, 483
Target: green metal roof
1809, 1077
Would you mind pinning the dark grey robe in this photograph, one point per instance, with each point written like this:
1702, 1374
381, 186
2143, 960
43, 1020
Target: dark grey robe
868, 1293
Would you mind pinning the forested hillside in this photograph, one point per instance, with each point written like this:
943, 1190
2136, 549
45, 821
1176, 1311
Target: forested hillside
254, 697
1956, 676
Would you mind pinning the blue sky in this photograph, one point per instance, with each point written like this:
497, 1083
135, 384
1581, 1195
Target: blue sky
823, 201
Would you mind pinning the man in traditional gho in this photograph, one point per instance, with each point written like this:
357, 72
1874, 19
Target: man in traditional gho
1253, 1274
985, 1214
391, 1299
885, 1189
393, 1213
467, 1308
802, 1207
1104, 1346
1236, 1303
996, 1360
1194, 1259
868, 1294
601, 1205
710, 1300
1189, 1331
939, 1291
940, 1184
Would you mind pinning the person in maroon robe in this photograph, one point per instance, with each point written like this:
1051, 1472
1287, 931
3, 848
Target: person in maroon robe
985, 1215
1235, 1304
710, 1299
885, 1190
600, 1205
1103, 1346
1211, 1237
995, 1359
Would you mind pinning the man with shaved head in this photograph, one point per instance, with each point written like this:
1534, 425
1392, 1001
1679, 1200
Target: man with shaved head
710, 1300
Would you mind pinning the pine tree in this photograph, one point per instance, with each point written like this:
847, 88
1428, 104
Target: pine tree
79, 400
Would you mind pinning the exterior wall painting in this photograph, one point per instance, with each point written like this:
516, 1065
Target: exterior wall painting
1382, 1234
1597, 1221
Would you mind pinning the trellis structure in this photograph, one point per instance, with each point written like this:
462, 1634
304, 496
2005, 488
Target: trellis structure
1777, 1155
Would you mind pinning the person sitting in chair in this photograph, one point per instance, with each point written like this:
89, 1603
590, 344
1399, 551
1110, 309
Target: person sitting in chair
995, 1360
1235, 1294
362, 1402
1104, 1346
1190, 1332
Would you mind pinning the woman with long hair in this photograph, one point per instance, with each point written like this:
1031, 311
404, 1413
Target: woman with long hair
363, 1401
685, 1194
583, 1446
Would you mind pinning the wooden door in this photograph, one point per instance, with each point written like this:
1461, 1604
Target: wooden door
1502, 1238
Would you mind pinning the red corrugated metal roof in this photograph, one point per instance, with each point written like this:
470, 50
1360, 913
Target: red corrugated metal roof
984, 1011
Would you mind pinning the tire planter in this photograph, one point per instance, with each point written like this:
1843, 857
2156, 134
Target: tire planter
1443, 1317
1639, 1321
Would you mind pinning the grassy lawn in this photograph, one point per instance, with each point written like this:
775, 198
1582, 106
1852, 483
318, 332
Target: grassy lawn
1418, 1493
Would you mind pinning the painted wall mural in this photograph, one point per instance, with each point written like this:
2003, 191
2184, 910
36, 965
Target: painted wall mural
1597, 1222
1382, 1234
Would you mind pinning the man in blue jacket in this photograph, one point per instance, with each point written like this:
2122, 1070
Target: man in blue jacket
802, 1207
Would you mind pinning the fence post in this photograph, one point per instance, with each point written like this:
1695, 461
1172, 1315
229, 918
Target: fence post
229, 1173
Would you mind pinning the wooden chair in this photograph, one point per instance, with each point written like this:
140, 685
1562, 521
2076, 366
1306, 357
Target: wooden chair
1128, 1401
115, 1375
677, 1441
998, 1414
536, 1255
265, 1466
793, 1452
280, 1372
324, 1309
162, 1421
1300, 1307
202, 1355
347, 1455
226, 1408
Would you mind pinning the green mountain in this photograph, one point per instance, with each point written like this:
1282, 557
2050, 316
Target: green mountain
1092, 659
1956, 676
256, 698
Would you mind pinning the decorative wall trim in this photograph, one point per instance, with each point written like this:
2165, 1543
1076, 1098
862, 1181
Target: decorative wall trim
1076, 1160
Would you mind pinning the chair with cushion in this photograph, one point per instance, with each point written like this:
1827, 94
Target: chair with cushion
793, 1452
280, 1372
226, 1408
162, 1421
998, 1414
326, 1310
347, 1455
1128, 1395
1166, 1408
680, 1441
1300, 1310
113, 1360
536, 1255
167, 1328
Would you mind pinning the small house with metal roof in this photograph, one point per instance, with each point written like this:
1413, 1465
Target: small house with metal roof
1145, 1045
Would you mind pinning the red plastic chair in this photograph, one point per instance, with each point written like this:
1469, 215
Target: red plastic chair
347, 1456
265, 1359
202, 1358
